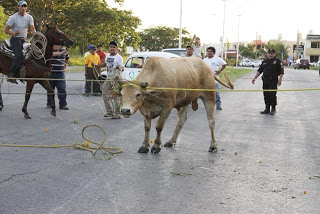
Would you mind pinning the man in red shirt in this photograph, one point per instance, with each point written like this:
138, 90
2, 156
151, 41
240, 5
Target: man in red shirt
101, 53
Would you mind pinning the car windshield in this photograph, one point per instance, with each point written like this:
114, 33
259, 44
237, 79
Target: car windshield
176, 52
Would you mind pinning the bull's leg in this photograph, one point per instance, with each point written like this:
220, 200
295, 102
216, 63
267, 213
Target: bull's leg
182, 117
156, 148
50, 91
209, 105
147, 126
30, 85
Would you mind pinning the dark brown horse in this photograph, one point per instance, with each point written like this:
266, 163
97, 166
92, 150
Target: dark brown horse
39, 68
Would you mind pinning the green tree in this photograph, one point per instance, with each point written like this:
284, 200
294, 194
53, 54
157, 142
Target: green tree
247, 51
281, 49
161, 37
3, 20
86, 22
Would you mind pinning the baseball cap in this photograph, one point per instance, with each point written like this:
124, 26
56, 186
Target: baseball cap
92, 47
20, 3
113, 43
271, 50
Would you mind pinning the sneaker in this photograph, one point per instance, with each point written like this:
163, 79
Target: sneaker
116, 116
63, 108
13, 81
265, 112
97, 94
109, 114
1, 107
219, 108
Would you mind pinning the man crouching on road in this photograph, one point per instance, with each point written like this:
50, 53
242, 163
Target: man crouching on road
271, 69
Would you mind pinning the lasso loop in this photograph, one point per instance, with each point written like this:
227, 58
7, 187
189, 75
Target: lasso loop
38, 45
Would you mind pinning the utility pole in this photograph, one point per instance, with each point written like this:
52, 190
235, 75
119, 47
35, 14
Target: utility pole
180, 29
256, 44
224, 17
237, 61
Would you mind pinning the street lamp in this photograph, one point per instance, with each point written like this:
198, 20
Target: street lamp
224, 17
237, 61
180, 29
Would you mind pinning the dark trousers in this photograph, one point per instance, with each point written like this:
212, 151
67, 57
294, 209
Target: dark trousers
17, 47
1, 102
61, 87
92, 74
270, 98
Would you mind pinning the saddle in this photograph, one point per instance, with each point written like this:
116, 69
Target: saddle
5, 47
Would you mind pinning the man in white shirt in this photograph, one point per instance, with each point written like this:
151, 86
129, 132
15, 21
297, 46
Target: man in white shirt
113, 61
217, 65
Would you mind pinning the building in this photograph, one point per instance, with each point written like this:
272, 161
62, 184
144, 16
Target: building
312, 47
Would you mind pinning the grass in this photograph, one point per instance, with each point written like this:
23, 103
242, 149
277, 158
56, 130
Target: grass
236, 73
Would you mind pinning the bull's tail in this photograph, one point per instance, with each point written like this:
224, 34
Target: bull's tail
229, 83
194, 105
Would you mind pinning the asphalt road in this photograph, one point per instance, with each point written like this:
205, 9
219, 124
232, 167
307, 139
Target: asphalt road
265, 164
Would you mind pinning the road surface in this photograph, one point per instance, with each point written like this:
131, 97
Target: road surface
265, 164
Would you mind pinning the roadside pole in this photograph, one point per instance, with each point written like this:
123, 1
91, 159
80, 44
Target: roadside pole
180, 29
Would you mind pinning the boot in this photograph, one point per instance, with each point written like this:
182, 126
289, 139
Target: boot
266, 111
273, 110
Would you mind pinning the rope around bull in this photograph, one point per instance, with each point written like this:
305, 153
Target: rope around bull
84, 146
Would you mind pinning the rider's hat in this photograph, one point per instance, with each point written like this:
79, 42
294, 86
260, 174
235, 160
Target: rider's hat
21, 3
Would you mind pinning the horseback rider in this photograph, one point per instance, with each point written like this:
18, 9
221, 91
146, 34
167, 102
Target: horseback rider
17, 26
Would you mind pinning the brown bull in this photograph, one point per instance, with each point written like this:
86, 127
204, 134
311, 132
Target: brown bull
190, 73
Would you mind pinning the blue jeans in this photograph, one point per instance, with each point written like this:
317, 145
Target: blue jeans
61, 87
218, 101
17, 47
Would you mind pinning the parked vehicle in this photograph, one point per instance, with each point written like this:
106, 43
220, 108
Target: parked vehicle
178, 51
250, 63
302, 63
134, 63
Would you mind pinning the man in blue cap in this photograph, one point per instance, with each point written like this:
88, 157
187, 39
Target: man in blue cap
273, 72
17, 26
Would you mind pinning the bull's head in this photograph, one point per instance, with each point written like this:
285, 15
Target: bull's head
133, 95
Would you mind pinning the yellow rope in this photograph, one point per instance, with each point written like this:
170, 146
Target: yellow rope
85, 145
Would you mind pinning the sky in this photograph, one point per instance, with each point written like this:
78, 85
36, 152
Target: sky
267, 18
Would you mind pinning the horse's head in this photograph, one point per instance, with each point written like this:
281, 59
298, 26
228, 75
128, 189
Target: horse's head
57, 37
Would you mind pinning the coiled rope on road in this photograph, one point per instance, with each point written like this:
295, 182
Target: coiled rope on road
84, 146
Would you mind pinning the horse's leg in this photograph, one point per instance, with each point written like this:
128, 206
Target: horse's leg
29, 89
50, 91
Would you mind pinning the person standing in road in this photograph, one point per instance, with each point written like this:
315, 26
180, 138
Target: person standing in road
198, 51
217, 65
59, 63
113, 61
271, 68
189, 50
92, 73
17, 26
1, 101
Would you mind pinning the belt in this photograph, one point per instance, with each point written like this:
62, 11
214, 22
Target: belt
21, 38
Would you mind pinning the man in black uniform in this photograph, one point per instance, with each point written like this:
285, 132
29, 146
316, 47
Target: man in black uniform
271, 69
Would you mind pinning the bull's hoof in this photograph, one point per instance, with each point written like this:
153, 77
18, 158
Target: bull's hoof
213, 149
169, 144
27, 116
155, 150
53, 113
143, 149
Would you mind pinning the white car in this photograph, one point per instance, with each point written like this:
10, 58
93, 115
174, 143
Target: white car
134, 63
178, 51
